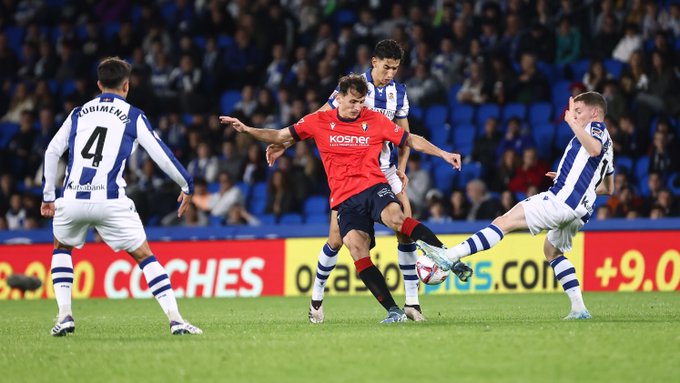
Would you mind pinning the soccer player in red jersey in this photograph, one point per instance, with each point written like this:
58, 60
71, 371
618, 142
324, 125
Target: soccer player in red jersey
349, 140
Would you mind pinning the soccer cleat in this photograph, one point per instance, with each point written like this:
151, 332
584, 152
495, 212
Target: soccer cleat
462, 271
180, 328
575, 315
63, 327
315, 315
436, 254
414, 313
394, 315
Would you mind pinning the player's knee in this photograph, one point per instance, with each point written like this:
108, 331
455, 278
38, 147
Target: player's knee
335, 242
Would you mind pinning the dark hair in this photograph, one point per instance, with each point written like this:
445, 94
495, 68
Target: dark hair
593, 99
388, 49
112, 72
355, 82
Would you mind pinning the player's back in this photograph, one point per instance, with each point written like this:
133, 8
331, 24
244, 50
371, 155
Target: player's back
102, 137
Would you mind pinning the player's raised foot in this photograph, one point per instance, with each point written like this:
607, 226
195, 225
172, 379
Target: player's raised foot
181, 328
436, 254
64, 326
575, 315
462, 271
394, 315
414, 313
315, 314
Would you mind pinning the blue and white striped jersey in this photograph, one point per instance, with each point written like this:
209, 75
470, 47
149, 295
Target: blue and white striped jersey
100, 136
391, 101
579, 174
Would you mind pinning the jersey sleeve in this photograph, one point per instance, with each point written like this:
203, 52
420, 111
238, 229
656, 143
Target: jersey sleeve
403, 107
304, 128
597, 131
55, 149
162, 156
393, 132
331, 99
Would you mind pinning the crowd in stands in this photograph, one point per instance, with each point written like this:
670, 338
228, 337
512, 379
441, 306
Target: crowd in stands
489, 79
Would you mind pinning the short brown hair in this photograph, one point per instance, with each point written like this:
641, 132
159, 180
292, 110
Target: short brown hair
112, 72
355, 82
593, 99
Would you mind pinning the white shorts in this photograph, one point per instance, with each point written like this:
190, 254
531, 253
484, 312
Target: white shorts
116, 221
544, 212
392, 179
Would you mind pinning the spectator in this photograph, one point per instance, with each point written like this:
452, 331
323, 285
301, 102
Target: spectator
418, 185
16, 214
661, 160
660, 95
438, 213
514, 138
423, 89
654, 185
568, 42
240, 216
629, 43
22, 100
21, 144
531, 85
471, 91
446, 64
460, 207
227, 196
666, 202
247, 104
187, 81
192, 217
595, 77
254, 169
485, 145
627, 141
280, 197
483, 206
500, 80
506, 169
276, 69
530, 173
538, 42
205, 165
603, 212
508, 201
616, 104
606, 38
623, 202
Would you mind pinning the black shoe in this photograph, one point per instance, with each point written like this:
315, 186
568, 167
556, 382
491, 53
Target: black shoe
462, 271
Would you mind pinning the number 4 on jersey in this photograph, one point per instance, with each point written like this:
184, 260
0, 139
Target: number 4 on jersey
98, 135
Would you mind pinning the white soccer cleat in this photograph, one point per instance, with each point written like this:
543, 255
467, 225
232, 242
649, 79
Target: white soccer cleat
576, 315
64, 326
181, 328
394, 315
436, 254
315, 316
414, 314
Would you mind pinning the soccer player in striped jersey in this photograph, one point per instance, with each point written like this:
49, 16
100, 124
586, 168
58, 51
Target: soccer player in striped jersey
585, 171
99, 137
387, 97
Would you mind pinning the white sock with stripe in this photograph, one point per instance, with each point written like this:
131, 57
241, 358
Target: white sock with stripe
566, 275
159, 284
484, 239
406, 256
327, 261
62, 280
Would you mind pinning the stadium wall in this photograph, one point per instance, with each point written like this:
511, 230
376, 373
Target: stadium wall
610, 256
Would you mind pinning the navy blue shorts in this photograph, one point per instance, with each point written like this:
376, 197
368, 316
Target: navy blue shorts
360, 211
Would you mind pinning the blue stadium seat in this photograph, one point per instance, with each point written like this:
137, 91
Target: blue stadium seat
245, 190
560, 95
540, 112
343, 17
7, 130
462, 114
228, 100
15, 37
642, 187
453, 92
623, 164
563, 135
110, 29
316, 219
213, 187
215, 221
439, 134
225, 42
68, 87
290, 219
443, 177
266, 219
415, 112
257, 206
519, 196
641, 166
674, 184
485, 111
463, 136
168, 12
435, 115
614, 67
514, 110
469, 172
579, 68
315, 205
543, 135
600, 200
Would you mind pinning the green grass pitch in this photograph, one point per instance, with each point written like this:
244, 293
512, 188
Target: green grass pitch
468, 338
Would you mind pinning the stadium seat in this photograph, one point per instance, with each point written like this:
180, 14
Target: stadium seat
642, 187
443, 177
315, 205
215, 221
469, 172
623, 164
258, 198
519, 196
290, 219
416, 112
225, 42
614, 67
641, 167
514, 110
578, 69
343, 17
229, 100
674, 184
435, 115
316, 219
463, 136
563, 135
14, 37
540, 112
266, 219
245, 190
560, 95
7, 130
110, 29
453, 93
213, 187
257, 206
485, 111
168, 11
68, 87
462, 114
439, 134
543, 135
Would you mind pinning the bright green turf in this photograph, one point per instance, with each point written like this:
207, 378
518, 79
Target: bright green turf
475, 338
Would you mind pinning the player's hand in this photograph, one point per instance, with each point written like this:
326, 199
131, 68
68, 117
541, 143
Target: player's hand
453, 159
234, 123
551, 175
570, 114
47, 209
404, 180
273, 152
184, 200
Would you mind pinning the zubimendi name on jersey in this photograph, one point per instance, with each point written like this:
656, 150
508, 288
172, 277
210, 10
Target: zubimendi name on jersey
123, 117
385, 112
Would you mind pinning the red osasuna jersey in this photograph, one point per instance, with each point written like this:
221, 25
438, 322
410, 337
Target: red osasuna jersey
349, 149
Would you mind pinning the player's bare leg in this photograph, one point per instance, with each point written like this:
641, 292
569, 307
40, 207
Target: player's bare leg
566, 275
62, 282
328, 258
406, 258
159, 284
358, 243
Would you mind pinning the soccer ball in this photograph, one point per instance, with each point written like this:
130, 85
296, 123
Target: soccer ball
429, 272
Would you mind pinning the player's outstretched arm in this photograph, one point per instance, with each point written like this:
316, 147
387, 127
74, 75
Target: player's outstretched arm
55, 149
279, 136
590, 144
606, 187
422, 145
